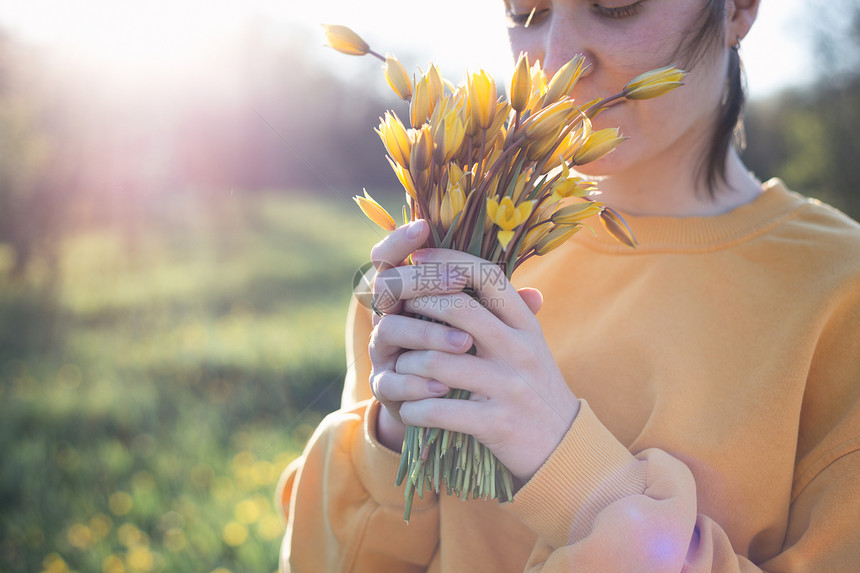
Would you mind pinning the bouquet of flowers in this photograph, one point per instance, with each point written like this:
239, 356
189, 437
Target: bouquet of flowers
493, 177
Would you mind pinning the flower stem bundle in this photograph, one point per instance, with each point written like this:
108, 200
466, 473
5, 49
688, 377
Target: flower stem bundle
494, 177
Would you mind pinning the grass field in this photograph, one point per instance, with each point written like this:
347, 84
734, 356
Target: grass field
151, 398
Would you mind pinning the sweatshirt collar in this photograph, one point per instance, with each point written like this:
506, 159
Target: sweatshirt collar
660, 234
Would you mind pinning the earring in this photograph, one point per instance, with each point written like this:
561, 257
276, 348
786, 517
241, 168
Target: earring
737, 45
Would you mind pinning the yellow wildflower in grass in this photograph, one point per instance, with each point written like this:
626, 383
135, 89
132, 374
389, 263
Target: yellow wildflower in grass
112, 564
395, 138
599, 144
119, 503
654, 83
508, 217
345, 40
397, 78
521, 84
375, 212
234, 534
140, 558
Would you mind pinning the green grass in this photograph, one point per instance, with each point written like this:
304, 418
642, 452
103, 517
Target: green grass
149, 402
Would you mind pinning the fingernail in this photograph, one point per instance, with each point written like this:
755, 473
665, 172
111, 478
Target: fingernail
419, 256
436, 387
456, 338
415, 229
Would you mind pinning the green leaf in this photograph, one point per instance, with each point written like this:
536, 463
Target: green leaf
474, 247
449, 236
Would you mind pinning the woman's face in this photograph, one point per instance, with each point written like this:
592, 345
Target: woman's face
620, 40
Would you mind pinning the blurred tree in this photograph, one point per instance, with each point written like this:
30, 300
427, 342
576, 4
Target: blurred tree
811, 137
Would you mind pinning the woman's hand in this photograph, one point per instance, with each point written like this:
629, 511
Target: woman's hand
393, 333
521, 406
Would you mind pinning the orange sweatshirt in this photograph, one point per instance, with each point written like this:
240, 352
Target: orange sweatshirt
718, 365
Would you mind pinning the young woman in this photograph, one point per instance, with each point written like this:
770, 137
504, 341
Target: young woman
692, 404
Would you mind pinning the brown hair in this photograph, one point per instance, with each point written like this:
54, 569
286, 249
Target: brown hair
707, 31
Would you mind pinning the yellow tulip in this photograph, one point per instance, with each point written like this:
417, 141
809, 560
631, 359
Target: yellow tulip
570, 186
434, 80
538, 83
395, 138
549, 119
452, 203
564, 80
405, 178
422, 149
576, 212
508, 217
654, 83
422, 104
521, 84
482, 99
448, 136
598, 144
555, 238
397, 78
345, 40
617, 227
534, 236
375, 212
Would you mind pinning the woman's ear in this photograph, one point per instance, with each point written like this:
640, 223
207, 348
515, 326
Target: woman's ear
742, 14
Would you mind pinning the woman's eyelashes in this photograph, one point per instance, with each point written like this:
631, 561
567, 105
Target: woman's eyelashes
525, 18
617, 12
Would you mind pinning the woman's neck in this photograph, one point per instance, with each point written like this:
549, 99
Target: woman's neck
676, 191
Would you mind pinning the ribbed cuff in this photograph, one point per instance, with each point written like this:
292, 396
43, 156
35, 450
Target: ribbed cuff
589, 470
377, 466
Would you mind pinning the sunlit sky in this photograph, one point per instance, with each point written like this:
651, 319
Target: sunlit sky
149, 36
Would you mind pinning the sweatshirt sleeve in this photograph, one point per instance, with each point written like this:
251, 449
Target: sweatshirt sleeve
625, 512
345, 514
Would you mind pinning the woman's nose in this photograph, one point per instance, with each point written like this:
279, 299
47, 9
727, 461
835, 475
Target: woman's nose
562, 42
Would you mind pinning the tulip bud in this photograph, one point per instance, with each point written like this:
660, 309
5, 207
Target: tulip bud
654, 83
482, 99
598, 144
422, 150
576, 212
422, 104
521, 84
375, 212
345, 40
550, 119
617, 227
564, 79
397, 78
555, 238
395, 138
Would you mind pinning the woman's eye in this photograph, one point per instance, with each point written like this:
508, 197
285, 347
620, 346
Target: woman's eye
618, 11
524, 19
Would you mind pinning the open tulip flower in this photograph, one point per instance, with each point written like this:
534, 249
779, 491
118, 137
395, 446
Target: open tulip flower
491, 175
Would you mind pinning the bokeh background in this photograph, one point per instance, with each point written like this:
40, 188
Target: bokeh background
177, 245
